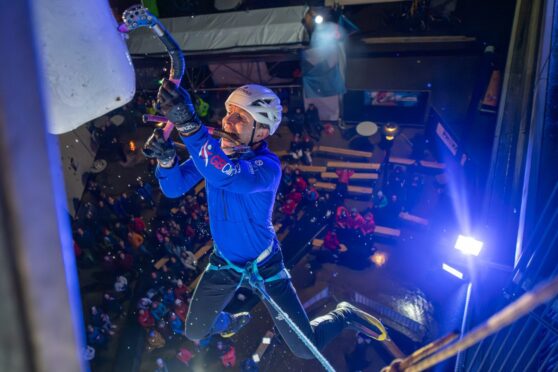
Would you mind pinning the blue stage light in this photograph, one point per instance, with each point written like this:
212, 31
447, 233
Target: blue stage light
453, 271
468, 245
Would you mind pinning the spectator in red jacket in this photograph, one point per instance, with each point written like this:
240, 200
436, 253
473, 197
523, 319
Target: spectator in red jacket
227, 354
295, 195
369, 224
125, 262
343, 177
355, 220
184, 356
145, 319
137, 225
288, 210
300, 183
180, 291
342, 217
180, 309
331, 241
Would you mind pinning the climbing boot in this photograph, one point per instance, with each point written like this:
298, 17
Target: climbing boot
362, 322
238, 321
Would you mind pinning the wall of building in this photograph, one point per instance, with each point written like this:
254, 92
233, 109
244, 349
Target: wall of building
450, 80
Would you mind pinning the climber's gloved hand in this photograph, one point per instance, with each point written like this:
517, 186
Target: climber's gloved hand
159, 148
175, 103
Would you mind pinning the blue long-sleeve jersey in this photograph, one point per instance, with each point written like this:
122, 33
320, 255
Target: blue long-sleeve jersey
240, 193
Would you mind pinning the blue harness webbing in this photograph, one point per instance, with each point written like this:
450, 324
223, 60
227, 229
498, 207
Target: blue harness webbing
250, 271
256, 281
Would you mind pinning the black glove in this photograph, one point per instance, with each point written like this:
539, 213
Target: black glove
159, 148
175, 103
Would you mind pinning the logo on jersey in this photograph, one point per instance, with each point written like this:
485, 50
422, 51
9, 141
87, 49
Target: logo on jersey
231, 170
205, 152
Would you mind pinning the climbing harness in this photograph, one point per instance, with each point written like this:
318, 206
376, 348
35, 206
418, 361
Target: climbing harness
250, 273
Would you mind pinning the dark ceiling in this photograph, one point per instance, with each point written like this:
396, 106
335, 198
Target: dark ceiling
488, 21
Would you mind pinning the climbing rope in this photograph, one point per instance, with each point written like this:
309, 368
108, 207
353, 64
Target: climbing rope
251, 274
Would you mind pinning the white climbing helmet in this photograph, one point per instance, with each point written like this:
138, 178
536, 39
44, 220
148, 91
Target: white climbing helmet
261, 102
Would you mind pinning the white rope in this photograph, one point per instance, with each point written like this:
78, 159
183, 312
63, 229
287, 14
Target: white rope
259, 286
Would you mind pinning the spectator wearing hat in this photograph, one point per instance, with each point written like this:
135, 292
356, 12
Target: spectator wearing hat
380, 204
295, 148
307, 148
312, 122
296, 122
169, 297
227, 354
121, 284
96, 337
158, 310
287, 179
162, 326
154, 340
161, 365
342, 217
176, 324
355, 220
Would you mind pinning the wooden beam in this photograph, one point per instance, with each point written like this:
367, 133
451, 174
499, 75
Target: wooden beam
412, 218
317, 242
200, 186
308, 168
355, 176
402, 161
331, 3
418, 39
387, 231
203, 250
325, 185
432, 164
162, 262
353, 165
345, 152
359, 189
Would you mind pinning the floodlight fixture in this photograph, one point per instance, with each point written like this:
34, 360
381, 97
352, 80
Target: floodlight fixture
452, 270
318, 19
468, 245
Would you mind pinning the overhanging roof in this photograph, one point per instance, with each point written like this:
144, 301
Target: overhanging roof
258, 29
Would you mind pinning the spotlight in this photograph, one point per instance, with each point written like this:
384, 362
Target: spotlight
453, 271
468, 245
266, 340
318, 19
256, 358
